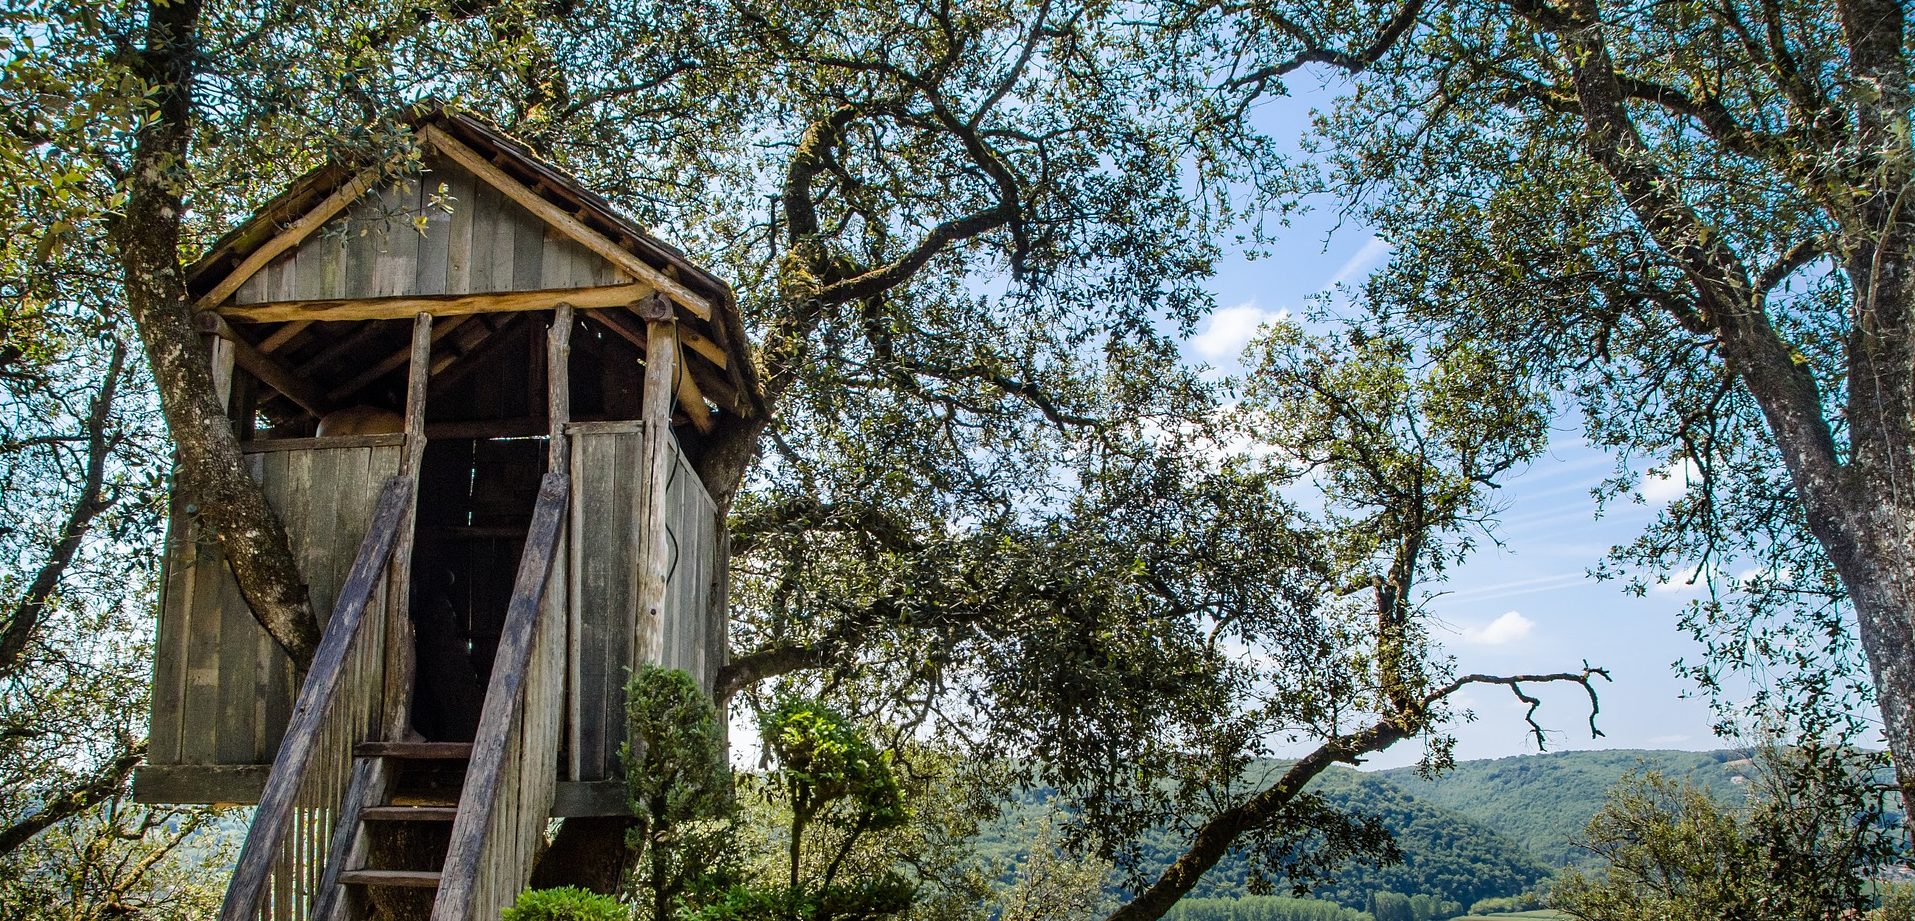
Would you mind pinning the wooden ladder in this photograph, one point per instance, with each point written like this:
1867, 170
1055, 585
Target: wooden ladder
411, 799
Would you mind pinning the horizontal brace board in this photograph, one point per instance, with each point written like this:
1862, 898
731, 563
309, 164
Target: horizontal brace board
443, 305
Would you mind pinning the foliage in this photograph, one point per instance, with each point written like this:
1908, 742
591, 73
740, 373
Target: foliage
565, 903
830, 788
1395, 906
1263, 908
1048, 883
1805, 848
682, 844
82, 470
1692, 219
980, 495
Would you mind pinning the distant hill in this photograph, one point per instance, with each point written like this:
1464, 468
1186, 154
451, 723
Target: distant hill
1544, 801
1445, 853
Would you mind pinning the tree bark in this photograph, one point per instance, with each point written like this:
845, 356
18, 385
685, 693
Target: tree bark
231, 505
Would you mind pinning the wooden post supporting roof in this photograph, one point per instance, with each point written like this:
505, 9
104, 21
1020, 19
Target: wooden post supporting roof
661, 359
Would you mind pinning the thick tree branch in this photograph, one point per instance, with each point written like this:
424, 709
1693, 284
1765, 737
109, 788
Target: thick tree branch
1215, 837
102, 786
1350, 61
24, 620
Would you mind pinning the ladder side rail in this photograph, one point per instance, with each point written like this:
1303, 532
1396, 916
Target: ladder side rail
506, 799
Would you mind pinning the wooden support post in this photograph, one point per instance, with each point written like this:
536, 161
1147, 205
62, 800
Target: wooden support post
401, 655
661, 359
558, 387
558, 459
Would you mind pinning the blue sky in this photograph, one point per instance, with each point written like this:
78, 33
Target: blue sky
1528, 606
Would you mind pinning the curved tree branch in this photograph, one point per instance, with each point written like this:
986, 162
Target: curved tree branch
17, 631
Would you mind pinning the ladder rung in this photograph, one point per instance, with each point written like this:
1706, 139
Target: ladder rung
417, 879
410, 813
421, 751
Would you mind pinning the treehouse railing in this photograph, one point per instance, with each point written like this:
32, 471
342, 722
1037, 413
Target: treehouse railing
507, 797
280, 865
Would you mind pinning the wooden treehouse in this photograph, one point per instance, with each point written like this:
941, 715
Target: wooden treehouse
474, 398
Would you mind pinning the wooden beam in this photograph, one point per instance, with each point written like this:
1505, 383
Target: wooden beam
301, 228
656, 410
618, 322
419, 359
703, 346
270, 372
459, 153
691, 398
391, 362
439, 305
558, 388
401, 669
283, 335
717, 388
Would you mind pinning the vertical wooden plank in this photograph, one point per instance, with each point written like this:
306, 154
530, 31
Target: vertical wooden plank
286, 281
201, 712
434, 245
310, 266
504, 245
272, 681
252, 290
169, 645
485, 220
362, 240
397, 262
459, 186
719, 652
596, 578
528, 249
574, 616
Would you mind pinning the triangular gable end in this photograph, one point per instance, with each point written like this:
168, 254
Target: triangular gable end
443, 232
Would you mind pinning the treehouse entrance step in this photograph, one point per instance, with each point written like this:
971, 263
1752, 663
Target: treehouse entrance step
408, 879
403, 813
405, 826
415, 751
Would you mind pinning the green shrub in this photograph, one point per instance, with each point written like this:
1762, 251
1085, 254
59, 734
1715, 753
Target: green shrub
566, 903
682, 845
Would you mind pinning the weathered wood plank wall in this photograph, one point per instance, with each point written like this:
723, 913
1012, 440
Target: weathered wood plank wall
473, 240
222, 690
607, 547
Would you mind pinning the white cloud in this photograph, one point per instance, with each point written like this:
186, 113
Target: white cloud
1666, 740
1231, 329
1359, 262
1502, 631
1667, 483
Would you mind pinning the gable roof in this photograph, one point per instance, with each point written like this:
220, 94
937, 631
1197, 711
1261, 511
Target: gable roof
704, 304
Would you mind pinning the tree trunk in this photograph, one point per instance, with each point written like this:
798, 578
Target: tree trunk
231, 505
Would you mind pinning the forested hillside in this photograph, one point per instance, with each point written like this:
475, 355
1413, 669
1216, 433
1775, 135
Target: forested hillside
1542, 802
1445, 854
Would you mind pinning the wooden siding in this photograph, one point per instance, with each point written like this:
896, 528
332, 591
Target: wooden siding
606, 550
691, 533
473, 240
222, 690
